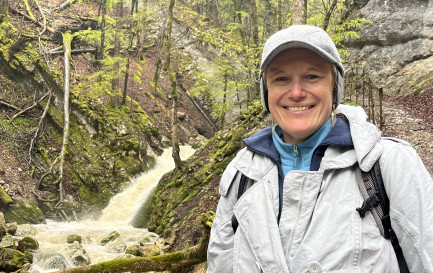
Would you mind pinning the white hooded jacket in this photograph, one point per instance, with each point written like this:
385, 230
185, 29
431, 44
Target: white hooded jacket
319, 229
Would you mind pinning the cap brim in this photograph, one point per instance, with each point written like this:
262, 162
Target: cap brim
299, 44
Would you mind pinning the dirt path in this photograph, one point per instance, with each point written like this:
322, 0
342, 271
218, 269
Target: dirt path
401, 122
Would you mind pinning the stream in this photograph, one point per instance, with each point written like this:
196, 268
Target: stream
55, 253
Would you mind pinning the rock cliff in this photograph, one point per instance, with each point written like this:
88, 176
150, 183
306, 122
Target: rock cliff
397, 49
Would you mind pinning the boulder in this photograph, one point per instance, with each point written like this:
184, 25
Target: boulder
133, 250
51, 261
11, 259
24, 212
5, 199
3, 229
109, 238
27, 244
7, 241
149, 250
119, 247
78, 254
74, 238
12, 228
145, 250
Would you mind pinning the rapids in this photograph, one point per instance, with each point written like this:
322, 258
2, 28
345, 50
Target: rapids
55, 253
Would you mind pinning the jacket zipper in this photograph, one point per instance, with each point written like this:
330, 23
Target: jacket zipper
295, 155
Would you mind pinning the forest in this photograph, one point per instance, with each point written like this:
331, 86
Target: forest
92, 92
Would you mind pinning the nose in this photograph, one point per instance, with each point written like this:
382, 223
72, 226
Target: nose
296, 91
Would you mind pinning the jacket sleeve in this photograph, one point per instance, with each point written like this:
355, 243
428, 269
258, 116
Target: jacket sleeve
220, 249
410, 191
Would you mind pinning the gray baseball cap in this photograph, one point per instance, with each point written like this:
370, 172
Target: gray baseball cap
302, 36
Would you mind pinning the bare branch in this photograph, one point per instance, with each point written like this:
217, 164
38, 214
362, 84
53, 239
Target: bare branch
29, 108
38, 129
31, 19
9, 105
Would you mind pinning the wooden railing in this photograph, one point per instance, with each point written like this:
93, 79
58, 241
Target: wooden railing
361, 90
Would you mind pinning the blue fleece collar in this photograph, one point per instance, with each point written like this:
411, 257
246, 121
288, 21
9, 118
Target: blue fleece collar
262, 143
298, 156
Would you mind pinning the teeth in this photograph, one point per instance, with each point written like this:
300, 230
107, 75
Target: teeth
299, 108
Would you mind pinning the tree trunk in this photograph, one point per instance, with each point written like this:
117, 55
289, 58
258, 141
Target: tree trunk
173, 80
67, 39
255, 26
328, 13
128, 61
102, 46
299, 15
279, 15
115, 81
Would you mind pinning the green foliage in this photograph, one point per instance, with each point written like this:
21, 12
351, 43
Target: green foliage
198, 183
345, 31
338, 30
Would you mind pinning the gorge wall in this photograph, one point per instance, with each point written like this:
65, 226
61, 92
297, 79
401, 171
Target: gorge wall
397, 49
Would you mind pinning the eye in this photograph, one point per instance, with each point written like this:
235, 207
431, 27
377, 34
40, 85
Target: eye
281, 79
311, 77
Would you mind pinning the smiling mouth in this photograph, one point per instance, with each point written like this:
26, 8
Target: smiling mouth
299, 108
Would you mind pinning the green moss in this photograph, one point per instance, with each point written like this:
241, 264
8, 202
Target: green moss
177, 188
11, 259
23, 212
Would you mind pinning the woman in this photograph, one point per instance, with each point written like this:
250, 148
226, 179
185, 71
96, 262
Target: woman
300, 214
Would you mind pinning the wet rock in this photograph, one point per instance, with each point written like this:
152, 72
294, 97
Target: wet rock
11, 259
3, 229
5, 199
24, 212
133, 250
169, 237
28, 244
146, 250
12, 228
51, 261
7, 241
78, 254
26, 230
74, 238
149, 250
111, 237
119, 248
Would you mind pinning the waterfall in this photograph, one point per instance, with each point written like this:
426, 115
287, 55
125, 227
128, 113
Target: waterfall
123, 206
55, 253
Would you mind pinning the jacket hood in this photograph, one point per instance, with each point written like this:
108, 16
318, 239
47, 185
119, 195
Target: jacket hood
365, 136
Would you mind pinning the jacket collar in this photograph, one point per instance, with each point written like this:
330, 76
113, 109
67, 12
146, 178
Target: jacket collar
356, 132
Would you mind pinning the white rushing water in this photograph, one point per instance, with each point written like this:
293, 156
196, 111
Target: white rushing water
115, 217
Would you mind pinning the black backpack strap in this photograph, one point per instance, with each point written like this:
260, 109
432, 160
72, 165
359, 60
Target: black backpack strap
244, 184
376, 201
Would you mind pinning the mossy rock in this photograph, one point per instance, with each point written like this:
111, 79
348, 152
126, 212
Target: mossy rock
5, 199
24, 212
74, 237
11, 259
111, 237
28, 244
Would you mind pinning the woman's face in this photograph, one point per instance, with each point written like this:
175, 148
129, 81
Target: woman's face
299, 86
